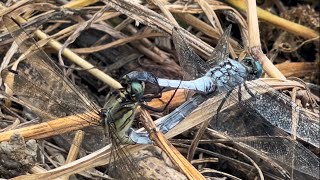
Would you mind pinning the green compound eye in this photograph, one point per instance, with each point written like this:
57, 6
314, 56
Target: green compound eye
254, 65
259, 69
137, 89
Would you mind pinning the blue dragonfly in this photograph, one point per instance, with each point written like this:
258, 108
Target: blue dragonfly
213, 76
222, 75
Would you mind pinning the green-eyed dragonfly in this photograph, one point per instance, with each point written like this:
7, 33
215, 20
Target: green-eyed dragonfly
42, 87
272, 113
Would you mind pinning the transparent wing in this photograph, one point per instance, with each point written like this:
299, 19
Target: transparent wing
41, 85
38, 77
119, 115
221, 51
263, 125
262, 131
281, 112
191, 63
122, 165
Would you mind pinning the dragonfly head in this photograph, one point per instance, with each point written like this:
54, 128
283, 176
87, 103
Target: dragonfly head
137, 90
134, 88
253, 66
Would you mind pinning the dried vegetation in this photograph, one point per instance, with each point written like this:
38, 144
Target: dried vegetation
96, 43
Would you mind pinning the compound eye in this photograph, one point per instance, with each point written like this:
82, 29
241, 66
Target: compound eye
247, 61
137, 89
259, 69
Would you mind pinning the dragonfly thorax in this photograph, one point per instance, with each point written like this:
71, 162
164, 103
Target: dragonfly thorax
119, 110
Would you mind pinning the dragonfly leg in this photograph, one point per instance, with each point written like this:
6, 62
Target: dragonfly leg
13, 71
248, 90
150, 108
165, 107
148, 98
139, 138
239, 94
221, 104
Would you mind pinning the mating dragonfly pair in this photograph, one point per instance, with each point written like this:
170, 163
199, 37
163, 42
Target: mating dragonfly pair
272, 111
39, 82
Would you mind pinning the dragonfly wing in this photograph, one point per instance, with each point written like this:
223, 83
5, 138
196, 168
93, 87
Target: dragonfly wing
43, 74
191, 63
122, 165
41, 85
262, 124
287, 113
221, 51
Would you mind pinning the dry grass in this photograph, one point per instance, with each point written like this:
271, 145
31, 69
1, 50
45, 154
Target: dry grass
106, 40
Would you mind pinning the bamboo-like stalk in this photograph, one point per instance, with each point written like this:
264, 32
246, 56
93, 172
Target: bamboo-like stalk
98, 158
165, 10
79, 3
52, 128
74, 149
159, 139
254, 42
77, 59
284, 24
156, 21
202, 26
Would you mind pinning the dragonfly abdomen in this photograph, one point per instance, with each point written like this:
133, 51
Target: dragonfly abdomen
176, 116
203, 85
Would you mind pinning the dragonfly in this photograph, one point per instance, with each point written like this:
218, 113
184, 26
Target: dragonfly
271, 109
226, 75
40, 85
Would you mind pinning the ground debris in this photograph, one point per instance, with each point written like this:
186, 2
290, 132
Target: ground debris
153, 167
17, 156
